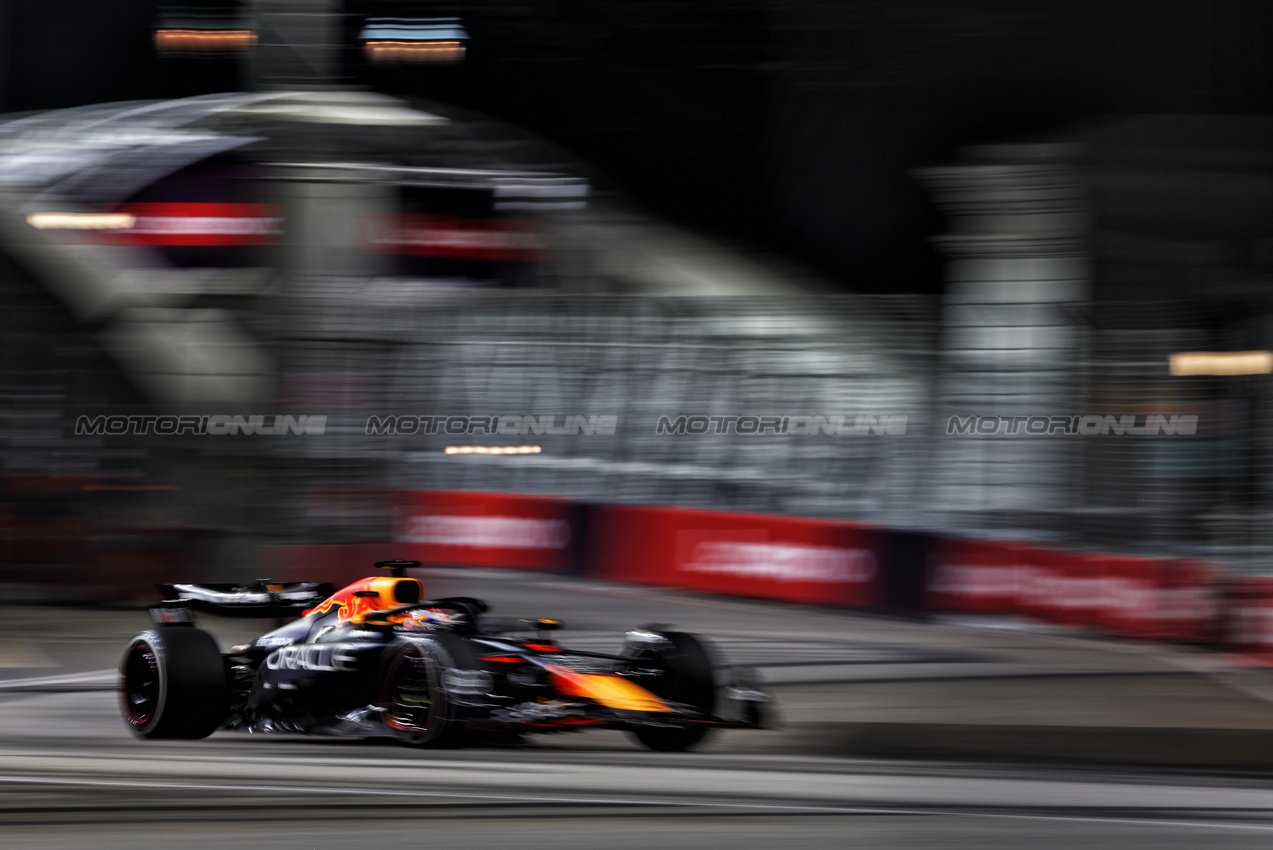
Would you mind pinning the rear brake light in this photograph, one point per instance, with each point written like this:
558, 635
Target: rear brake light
505, 658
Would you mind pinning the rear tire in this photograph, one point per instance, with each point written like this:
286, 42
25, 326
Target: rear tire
172, 684
689, 678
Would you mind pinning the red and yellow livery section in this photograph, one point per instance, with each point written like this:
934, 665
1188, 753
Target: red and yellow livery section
608, 690
369, 595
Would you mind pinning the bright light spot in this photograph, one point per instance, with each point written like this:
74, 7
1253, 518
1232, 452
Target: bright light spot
414, 51
413, 29
493, 450
204, 40
81, 221
1222, 363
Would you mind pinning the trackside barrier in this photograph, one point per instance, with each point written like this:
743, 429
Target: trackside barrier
791, 559
817, 562
1148, 598
1249, 621
443, 528
904, 570
1192, 603
488, 529
1133, 603
973, 576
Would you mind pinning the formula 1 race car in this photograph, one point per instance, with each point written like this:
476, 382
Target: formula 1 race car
376, 659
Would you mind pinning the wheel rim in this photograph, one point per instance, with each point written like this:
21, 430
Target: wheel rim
411, 706
140, 692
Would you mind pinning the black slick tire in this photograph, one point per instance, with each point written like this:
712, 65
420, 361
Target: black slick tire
172, 684
688, 679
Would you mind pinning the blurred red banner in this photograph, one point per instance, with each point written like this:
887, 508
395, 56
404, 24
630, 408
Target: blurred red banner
486, 529
782, 558
199, 224
1151, 598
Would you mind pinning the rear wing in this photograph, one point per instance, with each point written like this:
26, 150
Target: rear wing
259, 599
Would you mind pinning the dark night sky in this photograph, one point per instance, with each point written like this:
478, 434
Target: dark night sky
791, 123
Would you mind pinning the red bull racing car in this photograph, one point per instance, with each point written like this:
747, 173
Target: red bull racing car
378, 659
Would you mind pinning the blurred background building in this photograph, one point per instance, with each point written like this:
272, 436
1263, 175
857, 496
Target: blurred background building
305, 208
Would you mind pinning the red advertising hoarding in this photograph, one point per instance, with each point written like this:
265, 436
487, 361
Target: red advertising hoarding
1131, 602
1190, 602
1249, 616
781, 558
1149, 598
974, 576
486, 529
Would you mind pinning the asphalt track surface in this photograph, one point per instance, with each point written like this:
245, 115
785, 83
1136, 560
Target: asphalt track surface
72, 776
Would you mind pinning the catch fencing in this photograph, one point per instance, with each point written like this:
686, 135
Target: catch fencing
684, 383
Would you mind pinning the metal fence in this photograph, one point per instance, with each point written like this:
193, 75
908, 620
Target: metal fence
385, 350
859, 364
356, 349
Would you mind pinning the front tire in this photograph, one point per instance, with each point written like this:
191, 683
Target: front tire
172, 684
689, 679
416, 709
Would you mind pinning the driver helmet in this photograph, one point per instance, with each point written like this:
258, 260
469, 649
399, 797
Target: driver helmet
431, 619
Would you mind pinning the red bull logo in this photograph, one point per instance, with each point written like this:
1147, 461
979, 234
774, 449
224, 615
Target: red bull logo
369, 595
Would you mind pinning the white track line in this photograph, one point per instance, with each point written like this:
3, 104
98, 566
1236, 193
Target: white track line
65, 679
620, 801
